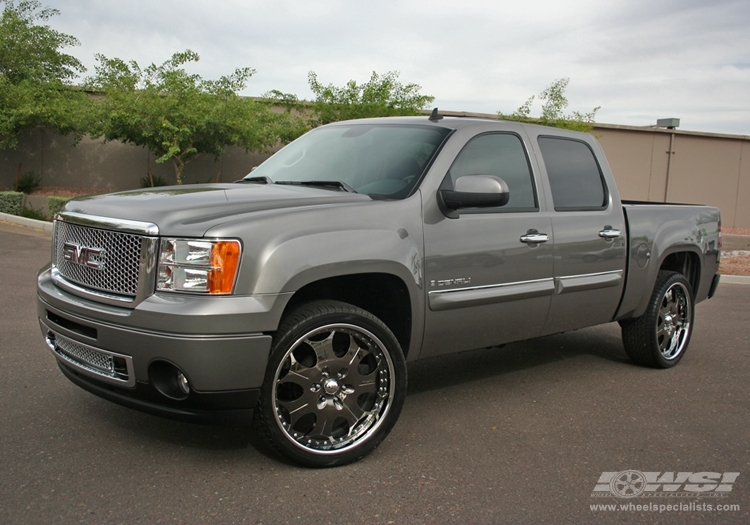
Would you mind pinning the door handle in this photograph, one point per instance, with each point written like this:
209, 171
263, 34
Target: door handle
534, 237
609, 233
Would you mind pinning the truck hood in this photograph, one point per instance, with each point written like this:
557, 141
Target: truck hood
193, 209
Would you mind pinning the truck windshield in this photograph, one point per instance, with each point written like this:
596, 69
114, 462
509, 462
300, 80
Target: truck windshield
379, 160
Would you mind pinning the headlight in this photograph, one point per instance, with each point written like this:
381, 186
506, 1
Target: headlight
198, 266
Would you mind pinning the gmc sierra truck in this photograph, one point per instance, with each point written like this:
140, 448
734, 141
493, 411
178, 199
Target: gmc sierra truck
298, 294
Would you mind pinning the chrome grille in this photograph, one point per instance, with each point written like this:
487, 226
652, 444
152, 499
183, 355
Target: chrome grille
116, 369
117, 260
84, 356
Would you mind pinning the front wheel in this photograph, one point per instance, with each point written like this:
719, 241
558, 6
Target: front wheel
334, 386
660, 337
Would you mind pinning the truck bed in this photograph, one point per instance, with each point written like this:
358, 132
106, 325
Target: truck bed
655, 231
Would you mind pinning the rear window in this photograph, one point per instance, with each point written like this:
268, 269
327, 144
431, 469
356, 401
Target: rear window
574, 175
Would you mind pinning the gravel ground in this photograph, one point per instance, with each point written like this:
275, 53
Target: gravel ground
738, 262
735, 263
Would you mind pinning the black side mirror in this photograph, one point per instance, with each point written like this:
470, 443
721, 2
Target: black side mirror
473, 191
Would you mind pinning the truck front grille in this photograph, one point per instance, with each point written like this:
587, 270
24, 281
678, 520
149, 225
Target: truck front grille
104, 260
116, 369
84, 356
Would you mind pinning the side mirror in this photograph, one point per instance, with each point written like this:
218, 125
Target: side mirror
473, 191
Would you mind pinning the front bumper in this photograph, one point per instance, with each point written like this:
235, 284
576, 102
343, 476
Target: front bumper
228, 408
99, 349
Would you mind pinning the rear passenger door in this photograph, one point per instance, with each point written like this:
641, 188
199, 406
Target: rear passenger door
590, 235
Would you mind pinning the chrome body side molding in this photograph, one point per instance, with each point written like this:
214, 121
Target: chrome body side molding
590, 281
498, 293
479, 295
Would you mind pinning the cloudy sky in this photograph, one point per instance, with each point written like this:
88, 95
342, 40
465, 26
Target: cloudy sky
638, 59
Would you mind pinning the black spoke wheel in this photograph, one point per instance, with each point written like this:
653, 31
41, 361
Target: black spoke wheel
334, 386
660, 337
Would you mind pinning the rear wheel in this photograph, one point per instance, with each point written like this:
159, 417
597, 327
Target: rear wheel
660, 337
334, 386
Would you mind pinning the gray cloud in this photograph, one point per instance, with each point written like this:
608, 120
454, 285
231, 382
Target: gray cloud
639, 60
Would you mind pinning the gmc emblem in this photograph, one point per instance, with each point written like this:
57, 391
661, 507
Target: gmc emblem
81, 255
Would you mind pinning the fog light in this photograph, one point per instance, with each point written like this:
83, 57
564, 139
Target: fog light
169, 380
182, 382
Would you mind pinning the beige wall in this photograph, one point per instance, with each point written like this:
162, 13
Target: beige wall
113, 166
704, 168
742, 213
640, 173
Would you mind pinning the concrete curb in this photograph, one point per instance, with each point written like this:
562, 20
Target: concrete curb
29, 223
734, 279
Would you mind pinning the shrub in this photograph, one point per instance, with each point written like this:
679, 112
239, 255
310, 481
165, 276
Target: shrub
27, 182
553, 108
11, 202
32, 213
152, 181
55, 204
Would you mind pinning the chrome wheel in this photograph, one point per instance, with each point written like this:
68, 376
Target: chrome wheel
334, 386
673, 323
659, 338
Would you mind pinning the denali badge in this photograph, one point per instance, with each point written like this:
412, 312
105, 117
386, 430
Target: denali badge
82, 255
451, 282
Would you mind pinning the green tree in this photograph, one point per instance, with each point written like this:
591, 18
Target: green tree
381, 96
35, 75
294, 120
177, 115
553, 110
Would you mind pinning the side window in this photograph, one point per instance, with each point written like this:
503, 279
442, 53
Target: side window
574, 175
502, 155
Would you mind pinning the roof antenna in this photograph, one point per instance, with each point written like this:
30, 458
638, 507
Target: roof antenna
435, 116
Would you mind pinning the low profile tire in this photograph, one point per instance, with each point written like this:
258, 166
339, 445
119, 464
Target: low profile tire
334, 386
660, 337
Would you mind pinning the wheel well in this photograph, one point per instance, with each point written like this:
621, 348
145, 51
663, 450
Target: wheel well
686, 263
383, 295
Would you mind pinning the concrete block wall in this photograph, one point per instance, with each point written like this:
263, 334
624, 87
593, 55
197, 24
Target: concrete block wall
731, 243
649, 164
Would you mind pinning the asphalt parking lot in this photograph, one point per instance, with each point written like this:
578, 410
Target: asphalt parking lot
520, 434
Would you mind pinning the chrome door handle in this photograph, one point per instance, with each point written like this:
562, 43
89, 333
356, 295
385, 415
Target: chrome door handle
609, 233
534, 237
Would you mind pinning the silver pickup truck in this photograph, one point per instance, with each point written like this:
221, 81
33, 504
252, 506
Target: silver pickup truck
300, 293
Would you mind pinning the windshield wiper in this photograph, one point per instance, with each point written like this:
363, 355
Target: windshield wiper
339, 185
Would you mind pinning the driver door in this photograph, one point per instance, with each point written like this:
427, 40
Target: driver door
486, 283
